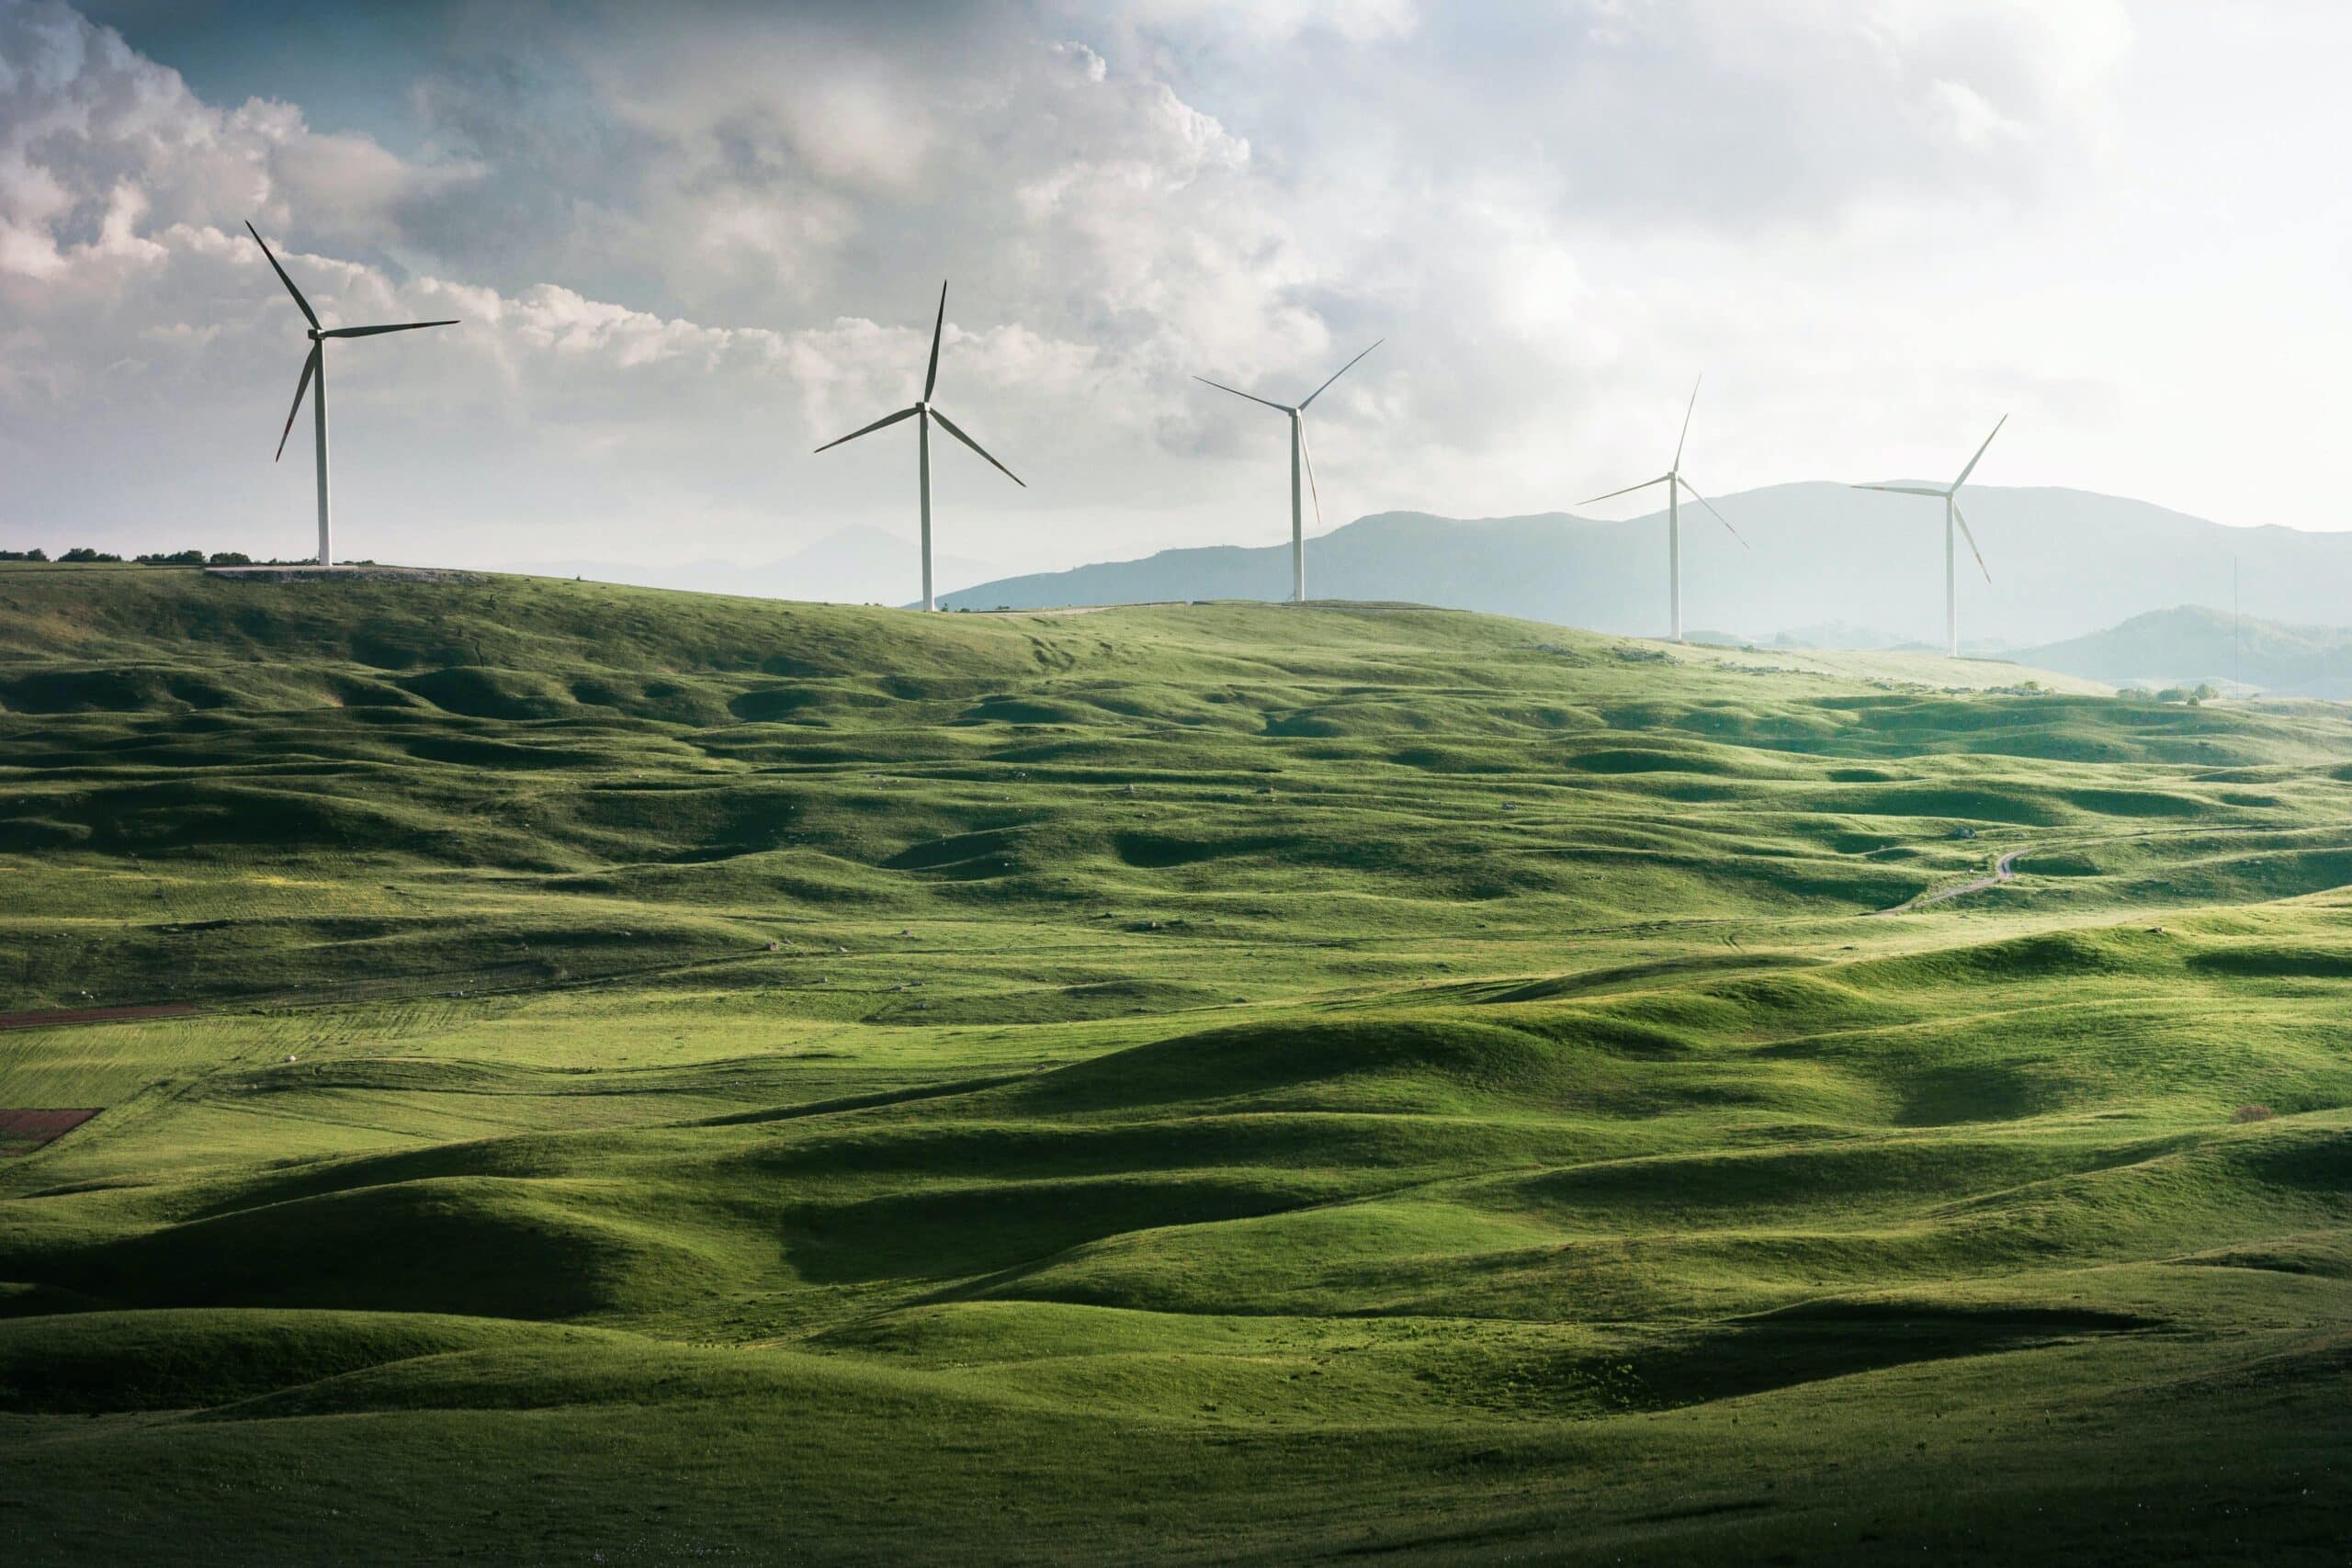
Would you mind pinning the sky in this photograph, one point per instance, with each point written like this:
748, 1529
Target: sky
690, 243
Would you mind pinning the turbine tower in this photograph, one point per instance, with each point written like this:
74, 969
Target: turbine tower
314, 368
1951, 498
1675, 485
923, 412
1299, 459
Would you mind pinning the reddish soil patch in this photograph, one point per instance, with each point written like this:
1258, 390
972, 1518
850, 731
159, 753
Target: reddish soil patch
46, 1017
22, 1132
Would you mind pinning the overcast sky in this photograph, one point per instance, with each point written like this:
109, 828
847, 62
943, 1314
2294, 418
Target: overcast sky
690, 243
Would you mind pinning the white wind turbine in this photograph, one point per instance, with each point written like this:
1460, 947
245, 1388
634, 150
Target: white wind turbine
315, 368
1675, 485
1298, 459
924, 413
1951, 498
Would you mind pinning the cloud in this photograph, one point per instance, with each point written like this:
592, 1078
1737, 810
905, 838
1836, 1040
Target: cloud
1273, 23
99, 145
689, 246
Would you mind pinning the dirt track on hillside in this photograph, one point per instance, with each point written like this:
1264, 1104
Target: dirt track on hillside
2004, 870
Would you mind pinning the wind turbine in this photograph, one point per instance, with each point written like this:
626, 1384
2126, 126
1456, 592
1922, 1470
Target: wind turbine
1675, 485
1950, 497
924, 413
315, 368
1298, 459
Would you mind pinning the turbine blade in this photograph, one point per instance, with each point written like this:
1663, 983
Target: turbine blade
869, 429
951, 427
931, 377
1309, 454
301, 304
371, 331
1710, 505
1980, 454
1337, 374
1685, 437
1903, 490
1627, 490
1239, 393
309, 368
1965, 533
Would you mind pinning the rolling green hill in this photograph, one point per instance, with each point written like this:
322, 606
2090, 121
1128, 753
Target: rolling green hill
600, 1074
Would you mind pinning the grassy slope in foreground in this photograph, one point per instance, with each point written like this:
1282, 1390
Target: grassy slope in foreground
687, 1077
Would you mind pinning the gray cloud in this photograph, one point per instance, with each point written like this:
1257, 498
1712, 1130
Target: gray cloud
691, 245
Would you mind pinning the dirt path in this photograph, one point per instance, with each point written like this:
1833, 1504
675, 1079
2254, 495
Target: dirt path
2004, 870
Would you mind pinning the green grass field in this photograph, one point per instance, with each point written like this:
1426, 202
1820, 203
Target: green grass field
670, 1078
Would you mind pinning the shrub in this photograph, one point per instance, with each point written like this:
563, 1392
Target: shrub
177, 557
2252, 1113
84, 552
24, 555
229, 557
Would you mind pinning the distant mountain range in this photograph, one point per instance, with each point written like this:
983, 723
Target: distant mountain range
857, 565
2190, 645
1825, 562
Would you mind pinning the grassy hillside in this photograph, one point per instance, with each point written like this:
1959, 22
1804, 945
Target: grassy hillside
668, 1077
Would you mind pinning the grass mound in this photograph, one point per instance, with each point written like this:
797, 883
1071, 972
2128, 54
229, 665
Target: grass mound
464, 1245
93, 1363
1356, 1066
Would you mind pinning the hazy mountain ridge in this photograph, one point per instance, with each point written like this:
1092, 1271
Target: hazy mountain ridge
2190, 644
2065, 563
